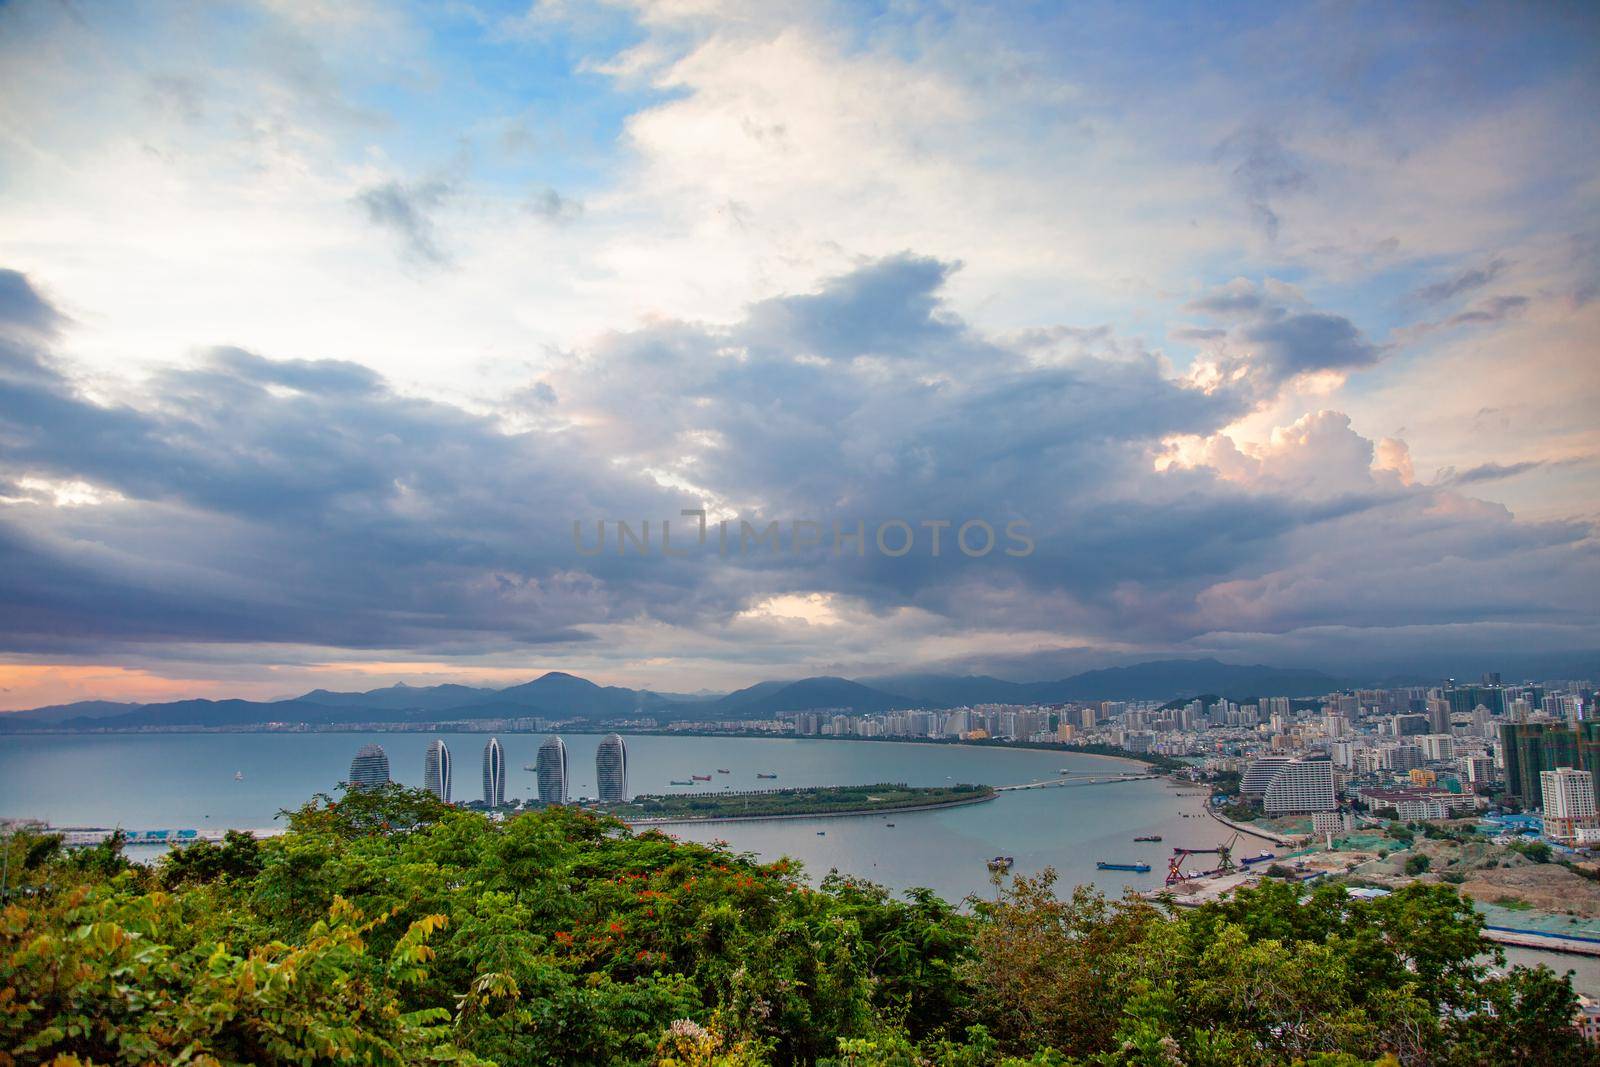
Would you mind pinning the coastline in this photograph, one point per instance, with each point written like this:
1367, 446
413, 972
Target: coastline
466, 728
1265, 835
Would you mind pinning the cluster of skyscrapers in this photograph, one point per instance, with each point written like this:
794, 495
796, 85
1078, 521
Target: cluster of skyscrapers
370, 768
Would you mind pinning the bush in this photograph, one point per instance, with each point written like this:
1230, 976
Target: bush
1417, 864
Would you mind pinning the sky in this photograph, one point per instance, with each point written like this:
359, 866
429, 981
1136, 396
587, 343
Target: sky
1275, 327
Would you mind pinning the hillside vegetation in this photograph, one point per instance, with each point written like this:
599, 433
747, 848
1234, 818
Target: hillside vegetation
809, 800
388, 929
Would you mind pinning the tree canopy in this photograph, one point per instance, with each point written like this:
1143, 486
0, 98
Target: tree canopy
386, 929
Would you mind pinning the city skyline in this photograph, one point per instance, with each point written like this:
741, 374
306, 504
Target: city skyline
322, 326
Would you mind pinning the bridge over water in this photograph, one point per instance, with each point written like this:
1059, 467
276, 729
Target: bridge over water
1079, 778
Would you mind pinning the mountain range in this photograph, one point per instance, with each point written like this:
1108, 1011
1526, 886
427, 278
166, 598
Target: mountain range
557, 695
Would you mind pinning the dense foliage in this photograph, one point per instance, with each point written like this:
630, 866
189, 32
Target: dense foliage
384, 928
813, 800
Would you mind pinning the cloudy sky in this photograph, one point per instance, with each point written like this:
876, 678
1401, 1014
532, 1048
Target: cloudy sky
321, 323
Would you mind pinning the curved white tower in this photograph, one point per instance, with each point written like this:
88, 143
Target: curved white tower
436, 770
611, 769
494, 773
551, 767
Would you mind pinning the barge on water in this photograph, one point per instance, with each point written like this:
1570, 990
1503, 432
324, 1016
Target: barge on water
1142, 868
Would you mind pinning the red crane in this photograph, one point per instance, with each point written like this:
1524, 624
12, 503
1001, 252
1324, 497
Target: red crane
1223, 852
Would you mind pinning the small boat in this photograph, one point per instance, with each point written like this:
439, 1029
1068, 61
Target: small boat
723, 770
701, 777
1149, 837
822, 833
677, 782
766, 776
1001, 863
238, 776
890, 825
1142, 868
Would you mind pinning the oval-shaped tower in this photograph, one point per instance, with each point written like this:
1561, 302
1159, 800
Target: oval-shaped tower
551, 767
611, 769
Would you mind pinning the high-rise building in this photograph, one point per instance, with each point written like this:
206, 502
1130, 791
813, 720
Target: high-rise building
1438, 715
1257, 776
494, 774
1478, 770
1464, 698
1401, 758
1483, 722
1293, 786
551, 770
611, 769
370, 768
1437, 746
1569, 810
1528, 749
436, 770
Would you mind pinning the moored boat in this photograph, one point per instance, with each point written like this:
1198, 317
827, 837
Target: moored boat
1142, 868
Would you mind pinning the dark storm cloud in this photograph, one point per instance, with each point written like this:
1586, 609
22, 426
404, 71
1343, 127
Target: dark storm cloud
407, 212
304, 502
1274, 336
887, 309
1304, 342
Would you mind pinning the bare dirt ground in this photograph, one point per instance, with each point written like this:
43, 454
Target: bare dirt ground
1548, 887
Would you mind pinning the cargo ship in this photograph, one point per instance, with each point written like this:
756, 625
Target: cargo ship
766, 775
1149, 837
1142, 868
677, 782
723, 770
701, 777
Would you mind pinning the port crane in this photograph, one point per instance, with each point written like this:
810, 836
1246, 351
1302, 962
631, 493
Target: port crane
1223, 852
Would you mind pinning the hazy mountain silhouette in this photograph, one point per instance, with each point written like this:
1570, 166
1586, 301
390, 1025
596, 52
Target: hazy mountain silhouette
558, 695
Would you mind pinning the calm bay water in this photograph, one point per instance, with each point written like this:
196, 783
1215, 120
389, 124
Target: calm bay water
174, 781
187, 780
